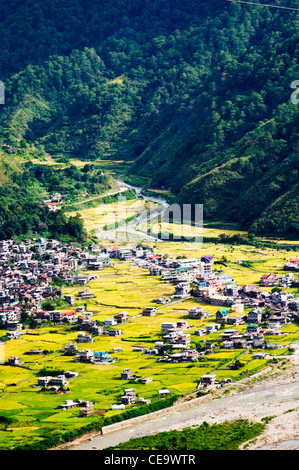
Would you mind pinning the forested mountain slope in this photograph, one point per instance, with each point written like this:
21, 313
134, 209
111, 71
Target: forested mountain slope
196, 94
24, 188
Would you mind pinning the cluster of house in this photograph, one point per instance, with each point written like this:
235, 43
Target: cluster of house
91, 328
181, 272
212, 285
53, 384
176, 340
209, 381
260, 327
87, 355
29, 272
215, 288
273, 280
86, 406
292, 265
53, 200
218, 288
130, 396
222, 290
28, 269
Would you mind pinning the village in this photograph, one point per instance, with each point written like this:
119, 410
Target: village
28, 272
31, 270
85, 352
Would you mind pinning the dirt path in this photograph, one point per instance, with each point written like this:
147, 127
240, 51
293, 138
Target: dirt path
101, 196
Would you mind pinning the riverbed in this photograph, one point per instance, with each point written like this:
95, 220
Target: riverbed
278, 401
129, 231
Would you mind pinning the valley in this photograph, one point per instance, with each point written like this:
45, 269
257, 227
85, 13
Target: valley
149, 224
127, 286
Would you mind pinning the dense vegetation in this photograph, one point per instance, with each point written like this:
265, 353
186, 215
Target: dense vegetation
70, 181
20, 216
224, 436
25, 186
196, 93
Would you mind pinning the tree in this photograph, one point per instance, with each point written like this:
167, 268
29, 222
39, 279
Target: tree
238, 364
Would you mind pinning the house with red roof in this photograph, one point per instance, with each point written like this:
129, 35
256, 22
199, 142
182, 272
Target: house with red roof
270, 280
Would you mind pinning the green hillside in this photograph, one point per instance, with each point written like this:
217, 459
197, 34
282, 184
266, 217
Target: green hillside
195, 94
24, 188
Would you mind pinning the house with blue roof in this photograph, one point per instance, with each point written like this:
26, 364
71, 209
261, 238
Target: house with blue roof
222, 314
101, 357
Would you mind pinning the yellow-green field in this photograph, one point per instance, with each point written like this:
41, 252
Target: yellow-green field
122, 287
103, 215
95, 218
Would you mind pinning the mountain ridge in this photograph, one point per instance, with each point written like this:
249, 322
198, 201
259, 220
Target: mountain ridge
201, 97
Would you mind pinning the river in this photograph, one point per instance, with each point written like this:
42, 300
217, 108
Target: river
128, 231
286, 393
